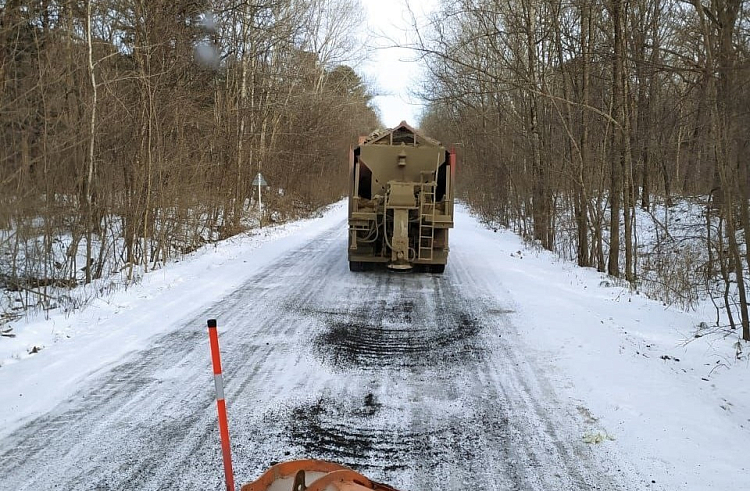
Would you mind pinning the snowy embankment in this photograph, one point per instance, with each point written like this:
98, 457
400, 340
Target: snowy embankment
674, 404
46, 360
674, 411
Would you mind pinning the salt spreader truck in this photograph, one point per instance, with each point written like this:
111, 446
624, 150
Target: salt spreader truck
400, 200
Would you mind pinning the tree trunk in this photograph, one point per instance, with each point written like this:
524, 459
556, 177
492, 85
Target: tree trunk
92, 141
618, 152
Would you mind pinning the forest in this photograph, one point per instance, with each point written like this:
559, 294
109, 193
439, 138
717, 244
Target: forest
573, 118
131, 130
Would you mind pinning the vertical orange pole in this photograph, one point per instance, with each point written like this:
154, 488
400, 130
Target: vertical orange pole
452, 162
221, 405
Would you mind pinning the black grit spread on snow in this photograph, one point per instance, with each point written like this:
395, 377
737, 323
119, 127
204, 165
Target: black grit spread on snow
417, 380
386, 336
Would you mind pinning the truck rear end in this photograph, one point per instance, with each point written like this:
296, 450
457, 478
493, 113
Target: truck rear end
400, 201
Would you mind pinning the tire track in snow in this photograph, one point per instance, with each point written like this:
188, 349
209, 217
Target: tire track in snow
135, 427
415, 379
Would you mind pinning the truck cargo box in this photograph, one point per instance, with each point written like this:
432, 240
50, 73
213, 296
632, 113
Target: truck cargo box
400, 200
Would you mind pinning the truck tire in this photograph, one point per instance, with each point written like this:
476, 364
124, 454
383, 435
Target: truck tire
356, 266
437, 268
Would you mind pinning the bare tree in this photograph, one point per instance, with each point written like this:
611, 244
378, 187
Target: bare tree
113, 132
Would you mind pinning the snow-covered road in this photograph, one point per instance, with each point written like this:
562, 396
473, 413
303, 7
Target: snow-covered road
512, 370
414, 379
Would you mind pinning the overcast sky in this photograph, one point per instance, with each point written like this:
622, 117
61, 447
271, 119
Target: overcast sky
391, 69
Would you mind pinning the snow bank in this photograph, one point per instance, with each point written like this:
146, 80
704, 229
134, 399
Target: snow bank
676, 406
47, 358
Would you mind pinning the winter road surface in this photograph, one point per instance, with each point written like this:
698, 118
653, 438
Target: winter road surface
417, 380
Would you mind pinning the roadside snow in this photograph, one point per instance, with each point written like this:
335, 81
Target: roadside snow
46, 360
676, 405
676, 411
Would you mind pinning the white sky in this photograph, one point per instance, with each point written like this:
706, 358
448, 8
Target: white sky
391, 70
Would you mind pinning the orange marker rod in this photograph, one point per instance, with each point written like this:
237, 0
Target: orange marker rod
221, 405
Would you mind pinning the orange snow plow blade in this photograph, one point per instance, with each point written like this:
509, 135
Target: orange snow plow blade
313, 475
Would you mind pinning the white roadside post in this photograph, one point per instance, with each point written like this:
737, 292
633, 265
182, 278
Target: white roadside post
260, 181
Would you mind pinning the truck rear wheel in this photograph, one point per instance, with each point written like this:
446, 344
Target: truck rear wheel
356, 266
437, 268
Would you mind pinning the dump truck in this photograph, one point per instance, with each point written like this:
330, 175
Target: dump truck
400, 201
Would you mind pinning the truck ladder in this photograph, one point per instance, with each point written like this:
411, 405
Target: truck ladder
426, 230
